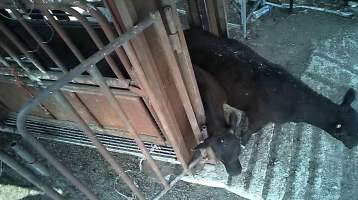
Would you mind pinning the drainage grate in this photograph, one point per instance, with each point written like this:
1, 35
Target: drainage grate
72, 135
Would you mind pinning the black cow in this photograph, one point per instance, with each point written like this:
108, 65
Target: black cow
222, 136
267, 92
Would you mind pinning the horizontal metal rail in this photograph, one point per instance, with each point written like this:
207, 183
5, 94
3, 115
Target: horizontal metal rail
54, 76
70, 87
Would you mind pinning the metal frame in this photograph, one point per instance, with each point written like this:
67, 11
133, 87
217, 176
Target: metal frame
86, 65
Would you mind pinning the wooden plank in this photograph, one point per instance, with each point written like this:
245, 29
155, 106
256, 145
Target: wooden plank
187, 68
193, 12
133, 108
14, 97
221, 10
160, 39
164, 63
212, 16
146, 69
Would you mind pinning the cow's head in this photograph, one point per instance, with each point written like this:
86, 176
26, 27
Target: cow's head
226, 145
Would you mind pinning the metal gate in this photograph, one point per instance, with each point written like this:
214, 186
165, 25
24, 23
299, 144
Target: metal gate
156, 80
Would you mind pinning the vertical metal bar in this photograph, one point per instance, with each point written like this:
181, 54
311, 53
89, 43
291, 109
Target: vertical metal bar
30, 160
110, 34
26, 173
20, 46
243, 17
39, 41
12, 54
112, 100
55, 59
26, 109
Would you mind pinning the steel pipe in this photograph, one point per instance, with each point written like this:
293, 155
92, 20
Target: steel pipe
30, 160
27, 174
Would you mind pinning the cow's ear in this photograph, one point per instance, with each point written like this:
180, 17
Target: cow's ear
348, 97
205, 144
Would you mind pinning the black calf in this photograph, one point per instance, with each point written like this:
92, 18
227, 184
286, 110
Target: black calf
267, 92
221, 135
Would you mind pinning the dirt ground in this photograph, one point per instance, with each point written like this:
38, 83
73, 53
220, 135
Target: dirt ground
282, 38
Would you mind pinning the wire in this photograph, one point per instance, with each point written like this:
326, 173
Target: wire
133, 197
1, 170
152, 149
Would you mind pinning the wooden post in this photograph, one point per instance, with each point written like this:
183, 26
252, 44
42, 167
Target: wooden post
159, 90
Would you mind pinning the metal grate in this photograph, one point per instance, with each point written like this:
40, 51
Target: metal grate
72, 135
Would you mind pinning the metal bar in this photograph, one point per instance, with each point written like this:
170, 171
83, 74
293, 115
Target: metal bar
112, 143
12, 54
94, 37
26, 173
75, 88
55, 59
114, 103
53, 76
19, 62
38, 39
20, 46
30, 160
243, 17
178, 178
161, 106
111, 35
102, 149
26, 109
75, 72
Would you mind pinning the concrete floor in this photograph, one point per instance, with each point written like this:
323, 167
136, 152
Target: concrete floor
303, 43
299, 161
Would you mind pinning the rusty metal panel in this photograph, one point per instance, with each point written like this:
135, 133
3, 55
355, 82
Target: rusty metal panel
133, 107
